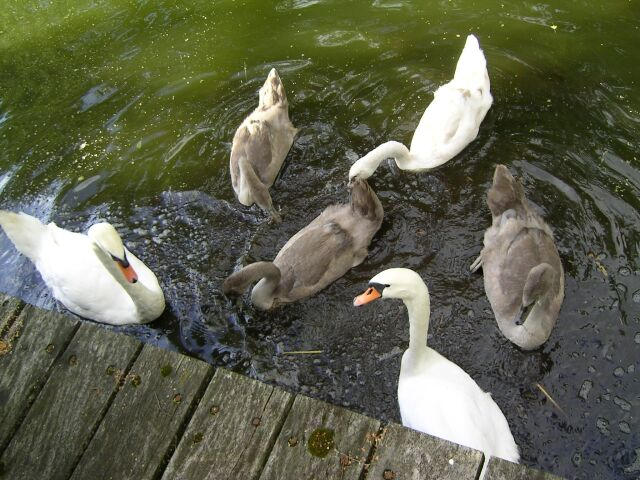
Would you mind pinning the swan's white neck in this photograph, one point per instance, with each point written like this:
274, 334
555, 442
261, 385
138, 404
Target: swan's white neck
148, 299
418, 308
404, 158
368, 164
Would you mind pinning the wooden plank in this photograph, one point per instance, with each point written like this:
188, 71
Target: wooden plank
321, 441
63, 418
232, 431
164, 385
39, 338
499, 469
9, 309
403, 453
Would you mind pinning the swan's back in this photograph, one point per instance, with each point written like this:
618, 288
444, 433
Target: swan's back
453, 118
444, 401
334, 242
261, 144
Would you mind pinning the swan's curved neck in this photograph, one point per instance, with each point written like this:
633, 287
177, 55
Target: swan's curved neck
145, 299
533, 331
368, 164
418, 308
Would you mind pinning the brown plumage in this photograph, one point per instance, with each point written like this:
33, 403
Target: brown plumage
323, 251
523, 275
260, 146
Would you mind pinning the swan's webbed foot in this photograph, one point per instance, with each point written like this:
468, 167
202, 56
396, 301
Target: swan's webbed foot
275, 216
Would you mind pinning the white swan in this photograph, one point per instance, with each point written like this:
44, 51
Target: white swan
450, 122
92, 275
435, 395
260, 145
523, 275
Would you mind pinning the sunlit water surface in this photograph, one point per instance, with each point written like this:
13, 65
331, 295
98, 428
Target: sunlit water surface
125, 111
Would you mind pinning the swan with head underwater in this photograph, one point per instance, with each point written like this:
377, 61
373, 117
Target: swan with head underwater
448, 125
93, 275
260, 145
335, 241
434, 394
523, 275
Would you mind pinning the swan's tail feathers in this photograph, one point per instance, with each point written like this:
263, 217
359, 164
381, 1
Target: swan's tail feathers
237, 282
272, 92
505, 193
364, 200
26, 232
471, 70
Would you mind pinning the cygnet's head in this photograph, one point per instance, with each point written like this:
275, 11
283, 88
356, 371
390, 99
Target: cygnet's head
107, 238
272, 92
392, 283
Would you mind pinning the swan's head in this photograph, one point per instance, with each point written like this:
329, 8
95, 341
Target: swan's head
107, 238
361, 169
272, 92
399, 283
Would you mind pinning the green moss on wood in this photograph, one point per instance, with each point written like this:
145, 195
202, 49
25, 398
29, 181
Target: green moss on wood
320, 442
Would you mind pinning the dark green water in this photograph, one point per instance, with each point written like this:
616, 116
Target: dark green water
125, 111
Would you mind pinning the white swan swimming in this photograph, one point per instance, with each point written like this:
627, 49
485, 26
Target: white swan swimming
93, 275
523, 275
434, 394
450, 122
260, 145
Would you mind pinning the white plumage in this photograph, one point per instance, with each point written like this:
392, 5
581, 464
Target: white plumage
448, 125
92, 275
434, 394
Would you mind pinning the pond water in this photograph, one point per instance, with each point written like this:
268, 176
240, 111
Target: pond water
125, 111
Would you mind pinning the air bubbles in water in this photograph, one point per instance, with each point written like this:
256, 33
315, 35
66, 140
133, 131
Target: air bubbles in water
622, 403
603, 425
624, 427
585, 389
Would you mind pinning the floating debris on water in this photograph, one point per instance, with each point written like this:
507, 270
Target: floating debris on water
303, 352
550, 398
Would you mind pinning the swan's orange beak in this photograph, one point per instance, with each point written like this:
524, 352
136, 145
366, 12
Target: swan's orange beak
369, 296
128, 272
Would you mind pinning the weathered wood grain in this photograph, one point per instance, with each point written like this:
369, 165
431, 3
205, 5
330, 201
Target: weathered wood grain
232, 430
145, 417
403, 453
320, 441
499, 469
9, 309
63, 418
40, 337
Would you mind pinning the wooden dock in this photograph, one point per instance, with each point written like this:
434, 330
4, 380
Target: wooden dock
80, 402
